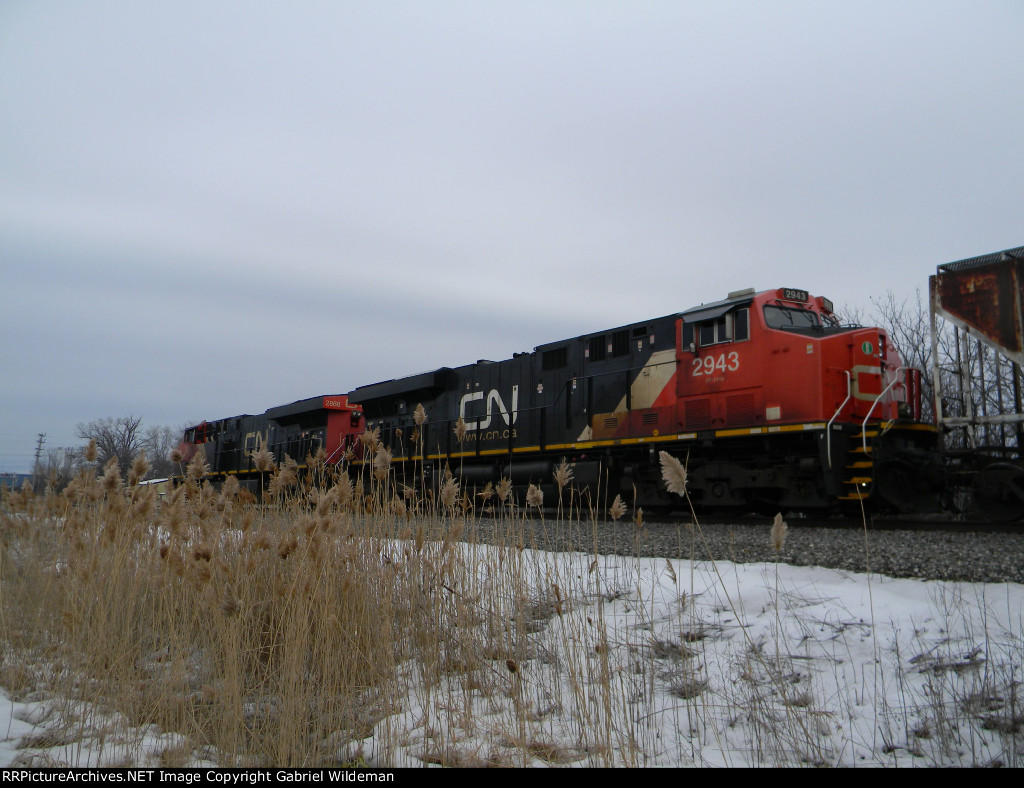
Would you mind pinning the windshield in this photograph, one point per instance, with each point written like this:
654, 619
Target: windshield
786, 318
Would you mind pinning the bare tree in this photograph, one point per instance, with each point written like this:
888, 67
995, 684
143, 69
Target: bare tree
849, 315
908, 324
58, 467
121, 438
158, 443
973, 380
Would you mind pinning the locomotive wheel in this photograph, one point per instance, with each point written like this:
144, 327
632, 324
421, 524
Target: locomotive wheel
894, 482
999, 492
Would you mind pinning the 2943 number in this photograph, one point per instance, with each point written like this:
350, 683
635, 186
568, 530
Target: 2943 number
709, 365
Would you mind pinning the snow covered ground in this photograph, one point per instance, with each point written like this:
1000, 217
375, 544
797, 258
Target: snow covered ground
643, 662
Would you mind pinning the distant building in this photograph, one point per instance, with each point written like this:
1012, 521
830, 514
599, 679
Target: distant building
14, 480
163, 486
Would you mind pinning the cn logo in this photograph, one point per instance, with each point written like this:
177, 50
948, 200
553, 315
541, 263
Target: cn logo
493, 398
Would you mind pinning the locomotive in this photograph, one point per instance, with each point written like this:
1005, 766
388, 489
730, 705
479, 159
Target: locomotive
769, 400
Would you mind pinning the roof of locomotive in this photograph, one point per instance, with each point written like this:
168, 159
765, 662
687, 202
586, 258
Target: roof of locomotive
300, 406
691, 315
423, 381
279, 411
435, 380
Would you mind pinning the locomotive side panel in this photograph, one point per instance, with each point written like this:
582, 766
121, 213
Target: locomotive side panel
628, 385
719, 383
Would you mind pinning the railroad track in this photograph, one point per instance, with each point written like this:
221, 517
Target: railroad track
898, 547
876, 522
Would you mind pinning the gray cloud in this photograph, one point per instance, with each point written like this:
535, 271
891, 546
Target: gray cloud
212, 208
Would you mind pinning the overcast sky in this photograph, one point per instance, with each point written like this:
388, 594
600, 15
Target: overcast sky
211, 208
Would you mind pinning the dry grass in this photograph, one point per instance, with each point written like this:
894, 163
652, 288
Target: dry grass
339, 616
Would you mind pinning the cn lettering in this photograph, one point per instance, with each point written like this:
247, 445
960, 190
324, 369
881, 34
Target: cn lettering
492, 399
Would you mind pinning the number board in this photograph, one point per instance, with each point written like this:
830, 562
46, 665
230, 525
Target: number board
791, 294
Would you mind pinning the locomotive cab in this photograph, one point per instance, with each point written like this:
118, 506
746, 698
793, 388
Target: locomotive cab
781, 357
780, 365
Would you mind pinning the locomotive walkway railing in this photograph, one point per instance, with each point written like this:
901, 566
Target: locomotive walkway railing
864, 424
828, 427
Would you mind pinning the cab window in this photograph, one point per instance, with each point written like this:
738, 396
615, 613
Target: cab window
785, 318
733, 327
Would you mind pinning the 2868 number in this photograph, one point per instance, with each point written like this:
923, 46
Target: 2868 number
709, 365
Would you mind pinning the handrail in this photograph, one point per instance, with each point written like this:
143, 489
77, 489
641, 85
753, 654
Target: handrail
828, 427
331, 456
864, 424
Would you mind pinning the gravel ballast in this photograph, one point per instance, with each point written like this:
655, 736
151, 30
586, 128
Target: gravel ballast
972, 556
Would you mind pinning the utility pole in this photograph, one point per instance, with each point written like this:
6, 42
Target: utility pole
39, 452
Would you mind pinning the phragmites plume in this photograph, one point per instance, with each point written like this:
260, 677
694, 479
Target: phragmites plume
286, 477
262, 457
419, 415
562, 474
460, 429
176, 456
449, 493
504, 489
674, 474
534, 496
345, 490
779, 531
618, 508
139, 469
145, 503
370, 438
381, 463
486, 493
228, 492
198, 467
91, 451
111, 475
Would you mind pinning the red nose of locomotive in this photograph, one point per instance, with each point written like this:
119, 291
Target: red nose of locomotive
873, 383
781, 357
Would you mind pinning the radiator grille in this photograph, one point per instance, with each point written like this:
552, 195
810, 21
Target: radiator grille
698, 414
740, 408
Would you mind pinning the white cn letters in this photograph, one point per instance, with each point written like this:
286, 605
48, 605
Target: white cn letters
493, 398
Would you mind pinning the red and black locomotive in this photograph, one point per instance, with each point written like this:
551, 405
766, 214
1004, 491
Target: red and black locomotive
770, 402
